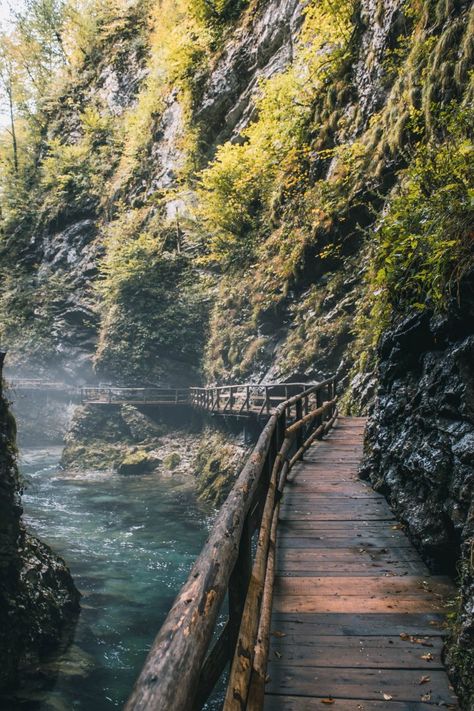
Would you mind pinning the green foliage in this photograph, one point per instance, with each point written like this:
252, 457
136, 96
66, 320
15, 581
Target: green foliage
424, 242
217, 11
73, 174
238, 188
153, 296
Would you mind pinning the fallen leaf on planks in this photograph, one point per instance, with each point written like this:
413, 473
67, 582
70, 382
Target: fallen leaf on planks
426, 697
277, 633
427, 657
277, 654
387, 697
425, 679
329, 700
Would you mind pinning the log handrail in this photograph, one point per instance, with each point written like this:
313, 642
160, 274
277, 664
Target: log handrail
185, 662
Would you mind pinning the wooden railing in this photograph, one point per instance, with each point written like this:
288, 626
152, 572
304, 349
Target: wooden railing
189, 656
107, 395
247, 399
41, 385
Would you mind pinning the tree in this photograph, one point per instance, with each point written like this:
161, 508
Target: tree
7, 84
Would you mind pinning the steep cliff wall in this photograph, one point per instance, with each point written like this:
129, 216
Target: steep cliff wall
38, 599
420, 449
205, 196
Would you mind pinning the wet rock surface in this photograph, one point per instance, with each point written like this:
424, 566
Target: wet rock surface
38, 600
420, 451
260, 48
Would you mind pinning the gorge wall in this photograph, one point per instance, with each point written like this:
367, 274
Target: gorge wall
420, 451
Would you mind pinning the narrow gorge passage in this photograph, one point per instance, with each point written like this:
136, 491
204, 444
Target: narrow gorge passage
357, 617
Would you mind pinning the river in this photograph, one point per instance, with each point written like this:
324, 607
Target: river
129, 542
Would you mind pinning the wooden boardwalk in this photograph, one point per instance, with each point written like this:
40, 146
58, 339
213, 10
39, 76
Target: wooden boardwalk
357, 618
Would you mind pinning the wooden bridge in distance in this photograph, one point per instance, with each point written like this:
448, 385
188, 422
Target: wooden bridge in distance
328, 603
243, 400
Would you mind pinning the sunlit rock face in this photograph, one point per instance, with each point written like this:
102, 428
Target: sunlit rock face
38, 600
380, 23
420, 447
259, 49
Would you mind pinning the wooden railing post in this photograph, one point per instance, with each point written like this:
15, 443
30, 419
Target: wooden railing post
298, 416
319, 402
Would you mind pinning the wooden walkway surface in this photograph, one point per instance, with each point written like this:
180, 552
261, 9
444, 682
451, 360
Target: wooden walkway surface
357, 618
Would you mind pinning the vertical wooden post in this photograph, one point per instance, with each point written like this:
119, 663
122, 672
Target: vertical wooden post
267, 398
298, 416
238, 585
319, 402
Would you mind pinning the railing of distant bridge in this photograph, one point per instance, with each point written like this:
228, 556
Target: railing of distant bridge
248, 399
189, 655
109, 395
38, 384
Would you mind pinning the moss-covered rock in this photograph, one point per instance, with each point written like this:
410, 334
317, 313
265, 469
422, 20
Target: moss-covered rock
172, 461
138, 462
218, 463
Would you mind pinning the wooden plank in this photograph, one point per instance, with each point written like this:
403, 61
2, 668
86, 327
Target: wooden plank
351, 604
398, 587
362, 525
400, 684
366, 624
303, 549
327, 569
301, 703
402, 643
357, 652
307, 512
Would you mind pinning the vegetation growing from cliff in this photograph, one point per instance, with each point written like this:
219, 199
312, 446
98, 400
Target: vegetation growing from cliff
423, 244
269, 214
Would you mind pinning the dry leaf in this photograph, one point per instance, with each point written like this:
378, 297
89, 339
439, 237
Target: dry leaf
425, 679
277, 654
387, 697
404, 635
277, 633
426, 697
327, 701
427, 657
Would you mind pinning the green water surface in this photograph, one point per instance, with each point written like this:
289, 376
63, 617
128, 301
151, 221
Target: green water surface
130, 543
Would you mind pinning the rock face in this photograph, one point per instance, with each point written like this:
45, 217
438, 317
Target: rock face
38, 600
420, 450
257, 50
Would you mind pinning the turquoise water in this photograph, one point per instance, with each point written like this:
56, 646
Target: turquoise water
130, 543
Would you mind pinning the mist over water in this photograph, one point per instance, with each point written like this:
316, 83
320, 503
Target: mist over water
130, 543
